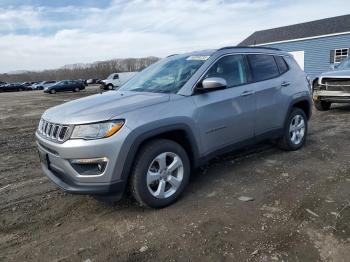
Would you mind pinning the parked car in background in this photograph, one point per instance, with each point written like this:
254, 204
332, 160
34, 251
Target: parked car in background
13, 87
33, 85
65, 85
93, 81
42, 85
115, 80
172, 117
332, 87
83, 81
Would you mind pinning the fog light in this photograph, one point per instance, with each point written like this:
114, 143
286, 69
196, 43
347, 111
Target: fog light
90, 166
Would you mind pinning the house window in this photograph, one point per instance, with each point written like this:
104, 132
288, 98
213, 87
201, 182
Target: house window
339, 55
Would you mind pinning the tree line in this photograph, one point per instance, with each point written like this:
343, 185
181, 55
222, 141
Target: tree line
99, 70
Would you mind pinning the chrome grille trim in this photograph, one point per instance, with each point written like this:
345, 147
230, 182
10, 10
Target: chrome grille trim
54, 132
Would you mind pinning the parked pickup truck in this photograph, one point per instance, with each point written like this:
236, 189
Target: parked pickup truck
115, 80
332, 87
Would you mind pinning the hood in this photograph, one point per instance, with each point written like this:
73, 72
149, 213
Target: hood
337, 73
101, 107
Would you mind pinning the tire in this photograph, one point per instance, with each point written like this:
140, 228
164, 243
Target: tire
76, 89
52, 91
154, 156
295, 131
322, 105
110, 87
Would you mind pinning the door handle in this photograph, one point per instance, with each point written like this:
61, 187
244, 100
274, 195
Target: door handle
248, 93
285, 84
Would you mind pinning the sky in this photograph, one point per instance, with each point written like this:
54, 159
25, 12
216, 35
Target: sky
46, 34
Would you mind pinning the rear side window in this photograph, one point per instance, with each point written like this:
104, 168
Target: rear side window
282, 65
263, 67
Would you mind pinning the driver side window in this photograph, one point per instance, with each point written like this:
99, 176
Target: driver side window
232, 68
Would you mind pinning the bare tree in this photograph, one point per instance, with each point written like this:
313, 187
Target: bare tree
98, 70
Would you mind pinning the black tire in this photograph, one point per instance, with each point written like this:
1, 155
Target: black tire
110, 87
52, 91
138, 180
322, 105
285, 142
76, 89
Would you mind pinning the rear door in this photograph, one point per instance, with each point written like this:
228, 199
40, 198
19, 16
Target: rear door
269, 82
226, 116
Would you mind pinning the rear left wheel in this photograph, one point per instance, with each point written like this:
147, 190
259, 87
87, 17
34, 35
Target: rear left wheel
161, 173
76, 89
295, 131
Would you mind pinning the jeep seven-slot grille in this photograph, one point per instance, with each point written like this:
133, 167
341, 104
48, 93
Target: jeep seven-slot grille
53, 131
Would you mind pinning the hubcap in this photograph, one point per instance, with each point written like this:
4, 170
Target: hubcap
297, 129
165, 175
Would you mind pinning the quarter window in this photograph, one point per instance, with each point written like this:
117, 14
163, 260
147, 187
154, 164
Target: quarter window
282, 65
231, 68
263, 67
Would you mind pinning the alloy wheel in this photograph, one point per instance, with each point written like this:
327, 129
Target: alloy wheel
297, 129
165, 175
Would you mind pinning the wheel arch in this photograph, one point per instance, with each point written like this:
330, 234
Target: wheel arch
180, 133
304, 103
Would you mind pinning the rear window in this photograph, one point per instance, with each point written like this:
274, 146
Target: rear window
281, 63
263, 67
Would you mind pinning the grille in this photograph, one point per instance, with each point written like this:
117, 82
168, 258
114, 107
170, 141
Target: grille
53, 131
337, 84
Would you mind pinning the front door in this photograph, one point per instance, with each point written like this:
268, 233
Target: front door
226, 116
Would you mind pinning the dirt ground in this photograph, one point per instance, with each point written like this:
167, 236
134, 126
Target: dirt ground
300, 212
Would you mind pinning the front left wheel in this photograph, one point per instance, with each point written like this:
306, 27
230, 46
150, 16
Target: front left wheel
161, 173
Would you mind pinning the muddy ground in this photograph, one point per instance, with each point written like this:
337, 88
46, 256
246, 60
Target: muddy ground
300, 212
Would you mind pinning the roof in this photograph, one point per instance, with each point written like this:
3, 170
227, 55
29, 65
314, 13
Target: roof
327, 26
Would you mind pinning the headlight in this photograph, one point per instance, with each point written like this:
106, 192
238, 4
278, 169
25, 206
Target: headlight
97, 130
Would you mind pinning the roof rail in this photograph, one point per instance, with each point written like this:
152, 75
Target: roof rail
253, 47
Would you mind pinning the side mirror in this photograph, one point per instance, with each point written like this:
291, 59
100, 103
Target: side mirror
212, 83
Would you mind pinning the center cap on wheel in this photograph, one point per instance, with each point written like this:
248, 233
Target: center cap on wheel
163, 174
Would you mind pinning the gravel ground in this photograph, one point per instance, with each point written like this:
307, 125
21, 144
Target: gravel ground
300, 211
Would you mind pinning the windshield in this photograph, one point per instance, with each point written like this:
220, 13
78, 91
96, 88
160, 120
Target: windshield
166, 76
345, 64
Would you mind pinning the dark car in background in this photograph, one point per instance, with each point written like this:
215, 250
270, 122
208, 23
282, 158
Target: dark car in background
65, 85
13, 87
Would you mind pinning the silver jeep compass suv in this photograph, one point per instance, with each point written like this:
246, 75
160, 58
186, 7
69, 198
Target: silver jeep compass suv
172, 117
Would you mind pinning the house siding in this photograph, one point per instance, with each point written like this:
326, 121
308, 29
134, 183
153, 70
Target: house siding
317, 51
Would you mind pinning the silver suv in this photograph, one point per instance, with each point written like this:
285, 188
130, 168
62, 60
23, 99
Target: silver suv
172, 117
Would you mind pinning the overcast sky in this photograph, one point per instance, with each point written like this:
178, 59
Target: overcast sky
42, 34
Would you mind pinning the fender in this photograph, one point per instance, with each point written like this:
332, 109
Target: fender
139, 135
301, 98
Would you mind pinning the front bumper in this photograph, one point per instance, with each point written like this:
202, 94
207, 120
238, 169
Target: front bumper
331, 96
58, 166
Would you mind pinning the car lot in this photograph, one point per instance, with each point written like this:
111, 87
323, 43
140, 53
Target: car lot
300, 211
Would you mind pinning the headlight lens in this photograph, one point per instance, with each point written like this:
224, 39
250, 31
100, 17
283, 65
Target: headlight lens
97, 130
